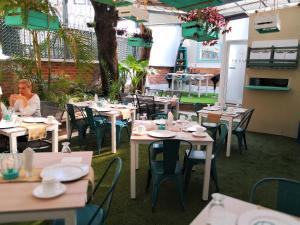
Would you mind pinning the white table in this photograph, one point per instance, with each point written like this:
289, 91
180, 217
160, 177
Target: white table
13, 133
166, 102
18, 204
113, 114
136, 140
200, 76
227, 117
232, 205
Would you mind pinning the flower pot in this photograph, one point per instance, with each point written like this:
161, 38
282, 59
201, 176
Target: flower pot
138, 42
194, 31
189, 5
33, 20
116, 3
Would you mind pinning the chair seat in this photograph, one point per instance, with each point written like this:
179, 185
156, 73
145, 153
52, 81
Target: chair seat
157, 167
83, 216
208, 124
238, 130
119, 123
198, 154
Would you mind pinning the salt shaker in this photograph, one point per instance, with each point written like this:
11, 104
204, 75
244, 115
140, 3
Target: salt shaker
28, 154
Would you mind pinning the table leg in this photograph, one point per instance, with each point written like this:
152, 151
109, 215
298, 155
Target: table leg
137, 162
132, 170
172, 86
55, 139
70, 217
166, 107
229, 137
207, 172
113, 135
13, 144
206, 90
68, 126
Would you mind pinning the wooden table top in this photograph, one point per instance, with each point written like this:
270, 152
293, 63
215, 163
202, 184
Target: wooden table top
231, 205
17, 197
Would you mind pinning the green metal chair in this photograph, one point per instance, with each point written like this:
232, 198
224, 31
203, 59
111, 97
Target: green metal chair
93, 214
157, 116
80, 124
287, 196
97, 125
169, 168
194, 157
240, 129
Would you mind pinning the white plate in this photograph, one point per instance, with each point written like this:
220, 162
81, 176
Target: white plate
39, 192
7, 124
203, 134
194, 128
265, 217
161, 133
65, 172
34, 120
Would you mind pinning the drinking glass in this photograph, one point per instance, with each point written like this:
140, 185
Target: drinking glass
216, 209
66, 148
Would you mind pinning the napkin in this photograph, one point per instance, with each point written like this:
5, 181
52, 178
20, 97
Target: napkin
36, 131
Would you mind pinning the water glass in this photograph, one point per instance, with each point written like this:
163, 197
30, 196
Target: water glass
216, 209
66, 148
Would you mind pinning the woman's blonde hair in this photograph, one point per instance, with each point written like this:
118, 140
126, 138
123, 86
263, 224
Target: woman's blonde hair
26, 82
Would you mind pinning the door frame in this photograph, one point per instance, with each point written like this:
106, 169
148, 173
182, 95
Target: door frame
224, 68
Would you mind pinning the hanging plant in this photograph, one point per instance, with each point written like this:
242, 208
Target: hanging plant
141, 40
204, 25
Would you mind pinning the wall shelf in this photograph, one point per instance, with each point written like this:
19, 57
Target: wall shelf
266, 88
273, 57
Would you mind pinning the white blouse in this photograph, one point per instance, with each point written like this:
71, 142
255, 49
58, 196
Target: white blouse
3, 108
33, 107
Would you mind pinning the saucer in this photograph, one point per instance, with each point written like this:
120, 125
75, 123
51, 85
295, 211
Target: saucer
203, 134
39, 193
139, 133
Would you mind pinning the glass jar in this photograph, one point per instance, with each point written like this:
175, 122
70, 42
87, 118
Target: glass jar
11, 164
66, 148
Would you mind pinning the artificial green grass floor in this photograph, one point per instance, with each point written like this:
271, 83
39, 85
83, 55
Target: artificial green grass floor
268, 155
210, 98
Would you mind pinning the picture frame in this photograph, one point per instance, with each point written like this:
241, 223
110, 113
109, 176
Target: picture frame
209, 54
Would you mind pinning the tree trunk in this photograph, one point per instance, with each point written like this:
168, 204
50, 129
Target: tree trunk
105, 20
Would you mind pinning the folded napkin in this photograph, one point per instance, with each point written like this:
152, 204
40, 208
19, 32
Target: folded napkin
22, 177
36, 131
125, 113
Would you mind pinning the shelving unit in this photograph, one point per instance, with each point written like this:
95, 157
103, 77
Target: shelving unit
181, 60
273, 57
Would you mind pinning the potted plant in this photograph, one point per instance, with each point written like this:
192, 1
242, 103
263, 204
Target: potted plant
141, 40
204, 25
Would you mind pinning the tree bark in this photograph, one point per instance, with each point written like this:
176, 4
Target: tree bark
105, 20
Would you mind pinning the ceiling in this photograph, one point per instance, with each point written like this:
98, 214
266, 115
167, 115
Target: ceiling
244, 7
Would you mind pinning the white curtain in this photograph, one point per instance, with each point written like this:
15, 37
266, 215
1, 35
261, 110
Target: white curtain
166, 41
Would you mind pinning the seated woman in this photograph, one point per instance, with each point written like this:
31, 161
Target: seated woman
26, 102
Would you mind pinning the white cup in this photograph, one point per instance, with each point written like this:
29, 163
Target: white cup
200, 130
141, 129
50, 119
49, 184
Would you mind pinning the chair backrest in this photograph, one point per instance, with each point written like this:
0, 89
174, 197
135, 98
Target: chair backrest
51, 109
220, 141
91, 121
214, 117
126, 98
170, 153
197, 107
288, 194
245, 119
71, 112
107, 199
154, 91
145, 99
157, 116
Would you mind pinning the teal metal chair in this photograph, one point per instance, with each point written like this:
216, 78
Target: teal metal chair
158, 116
240, 129
93, 214
194, 157
169, 168
120, 125
287, 196
97, 125
80, 124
